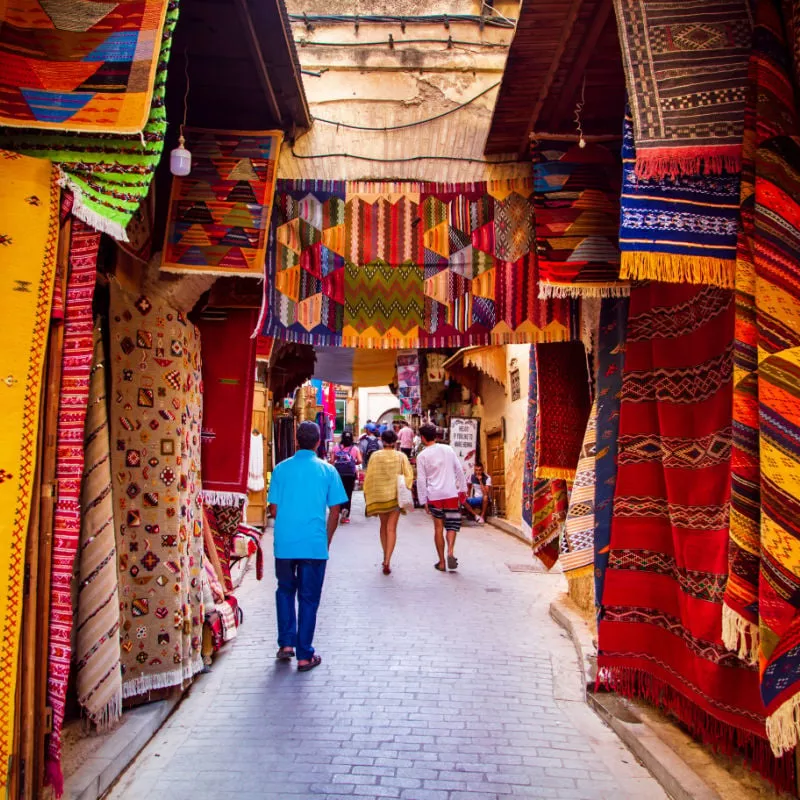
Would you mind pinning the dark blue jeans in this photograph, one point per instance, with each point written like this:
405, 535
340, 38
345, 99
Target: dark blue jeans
303, 578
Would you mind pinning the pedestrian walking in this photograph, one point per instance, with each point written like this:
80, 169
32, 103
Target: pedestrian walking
369, 444
345, 458
302, 488
406, 437
381, 494
442, 489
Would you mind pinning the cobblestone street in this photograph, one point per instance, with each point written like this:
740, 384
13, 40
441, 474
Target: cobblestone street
432, 687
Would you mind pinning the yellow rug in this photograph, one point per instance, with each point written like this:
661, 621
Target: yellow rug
29, 196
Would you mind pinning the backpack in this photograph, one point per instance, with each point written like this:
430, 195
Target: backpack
372, 447
343, 461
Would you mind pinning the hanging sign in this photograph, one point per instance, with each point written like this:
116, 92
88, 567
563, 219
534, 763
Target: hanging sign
464, 440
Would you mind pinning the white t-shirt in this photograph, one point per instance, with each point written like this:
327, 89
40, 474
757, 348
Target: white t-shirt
440, 475
476, 487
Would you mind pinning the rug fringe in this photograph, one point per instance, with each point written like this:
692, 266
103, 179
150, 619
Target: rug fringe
556, 473
783, 725
219, 273
162, 680
86, 214
212, 497
740, 635
678, 268
671, 162
560, 291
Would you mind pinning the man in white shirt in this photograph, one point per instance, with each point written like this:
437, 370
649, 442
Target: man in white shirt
442, 489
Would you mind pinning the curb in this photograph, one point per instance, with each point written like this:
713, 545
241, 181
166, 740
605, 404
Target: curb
507, 527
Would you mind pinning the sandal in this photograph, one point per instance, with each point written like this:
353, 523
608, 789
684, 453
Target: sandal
439, 567
452, 562
284, 655
314, 662
387, 570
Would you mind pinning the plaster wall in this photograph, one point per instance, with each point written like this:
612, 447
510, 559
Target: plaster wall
373, 402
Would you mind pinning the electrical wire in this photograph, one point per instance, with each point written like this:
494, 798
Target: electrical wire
408, 124
407, 159
186, 93
393, 42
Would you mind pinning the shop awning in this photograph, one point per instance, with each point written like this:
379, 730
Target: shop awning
469, 363
347, 366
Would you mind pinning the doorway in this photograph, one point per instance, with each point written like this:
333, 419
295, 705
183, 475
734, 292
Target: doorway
496, 467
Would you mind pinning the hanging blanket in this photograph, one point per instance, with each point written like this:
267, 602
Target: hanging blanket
564, 405
686, 119
678, 227
155, 457
29, 197
224, 521
577, 219
406, 265
660, 632
229, 364
345, 366
610, 362
76, 364
408, 382
97, 647
109, 173
219, 214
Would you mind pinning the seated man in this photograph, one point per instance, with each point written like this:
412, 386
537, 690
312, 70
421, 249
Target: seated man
480, 493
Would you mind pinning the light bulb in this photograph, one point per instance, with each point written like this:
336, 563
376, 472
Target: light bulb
180, 160
581, 143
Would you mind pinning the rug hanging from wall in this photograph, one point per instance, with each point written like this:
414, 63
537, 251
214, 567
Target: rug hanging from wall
218, 219
29, 197
76, 365
661, 624
156, 419
576, 200
405, 265
108, 172
408, 382
673, 57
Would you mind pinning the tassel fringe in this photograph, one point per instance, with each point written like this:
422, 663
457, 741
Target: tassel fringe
88, 215
162, 680
740, 635
674, 268
562, 291
556, 473
783, 725
214, 498
662, 162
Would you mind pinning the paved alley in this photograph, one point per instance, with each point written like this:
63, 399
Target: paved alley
432, 687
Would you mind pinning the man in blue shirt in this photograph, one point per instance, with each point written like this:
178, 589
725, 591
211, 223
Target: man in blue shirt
301, 490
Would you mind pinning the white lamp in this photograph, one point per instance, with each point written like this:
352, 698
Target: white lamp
180, 159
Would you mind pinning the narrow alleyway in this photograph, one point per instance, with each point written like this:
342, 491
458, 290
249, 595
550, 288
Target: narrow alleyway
432, 687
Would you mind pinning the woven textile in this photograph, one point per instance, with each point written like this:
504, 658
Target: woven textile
29, 197
660, 631
577, 219
76, 364
219, 214
678, 227
673, 56
109, 173
577, 541
224, 521
155, 446
97, 645
564, 405
408, 382
79, 66
405, 265
345, 366
229, 365
610, 362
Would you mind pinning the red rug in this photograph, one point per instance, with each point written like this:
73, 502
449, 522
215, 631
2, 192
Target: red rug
661, 621
76, 366
229, 360
564, 406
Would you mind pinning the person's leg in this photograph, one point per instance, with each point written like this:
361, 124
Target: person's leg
349, 483
472, 504
452, 526
286, 573
438, 539
310, 577
485, 505
384, 520
391, 536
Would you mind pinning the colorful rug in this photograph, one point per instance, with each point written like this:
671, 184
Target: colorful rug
224, 521
673, 55
408, 382
29, 197
109, 173
677, 228
76, 365
229, 365
564, 406
155, 458
219, 214
660, 631
577, 541
345, 366
406, 265
610, 363
577, 219
97, 645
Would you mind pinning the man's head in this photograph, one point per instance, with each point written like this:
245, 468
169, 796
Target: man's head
372, 428
307, 436
428, 433
478, 469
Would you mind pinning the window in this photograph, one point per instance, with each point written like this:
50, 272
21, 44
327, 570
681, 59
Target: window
341, 416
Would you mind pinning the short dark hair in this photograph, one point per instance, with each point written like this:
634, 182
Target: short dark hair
308, 435
389, 436
428, 432
478, 464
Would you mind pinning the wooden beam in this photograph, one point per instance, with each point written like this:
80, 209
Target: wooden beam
578, 68
566, 32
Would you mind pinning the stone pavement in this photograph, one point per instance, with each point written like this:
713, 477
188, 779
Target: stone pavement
432, 687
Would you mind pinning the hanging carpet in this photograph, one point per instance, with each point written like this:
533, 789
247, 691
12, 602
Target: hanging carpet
218, 219
660, 630
673, 57
577, 219
76, 365
29, 197
408, 382
108, 172
346, 366
677, 228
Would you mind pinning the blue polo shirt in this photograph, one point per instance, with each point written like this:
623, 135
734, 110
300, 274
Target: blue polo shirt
303, 488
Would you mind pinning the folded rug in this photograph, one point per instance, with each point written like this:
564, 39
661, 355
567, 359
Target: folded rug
687, 120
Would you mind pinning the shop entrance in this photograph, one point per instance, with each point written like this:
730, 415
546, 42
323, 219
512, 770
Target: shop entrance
496, 466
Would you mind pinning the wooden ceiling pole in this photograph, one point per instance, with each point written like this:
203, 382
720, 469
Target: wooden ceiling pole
578, 69
566, 32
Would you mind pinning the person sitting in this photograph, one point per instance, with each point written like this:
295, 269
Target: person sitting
480, 493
